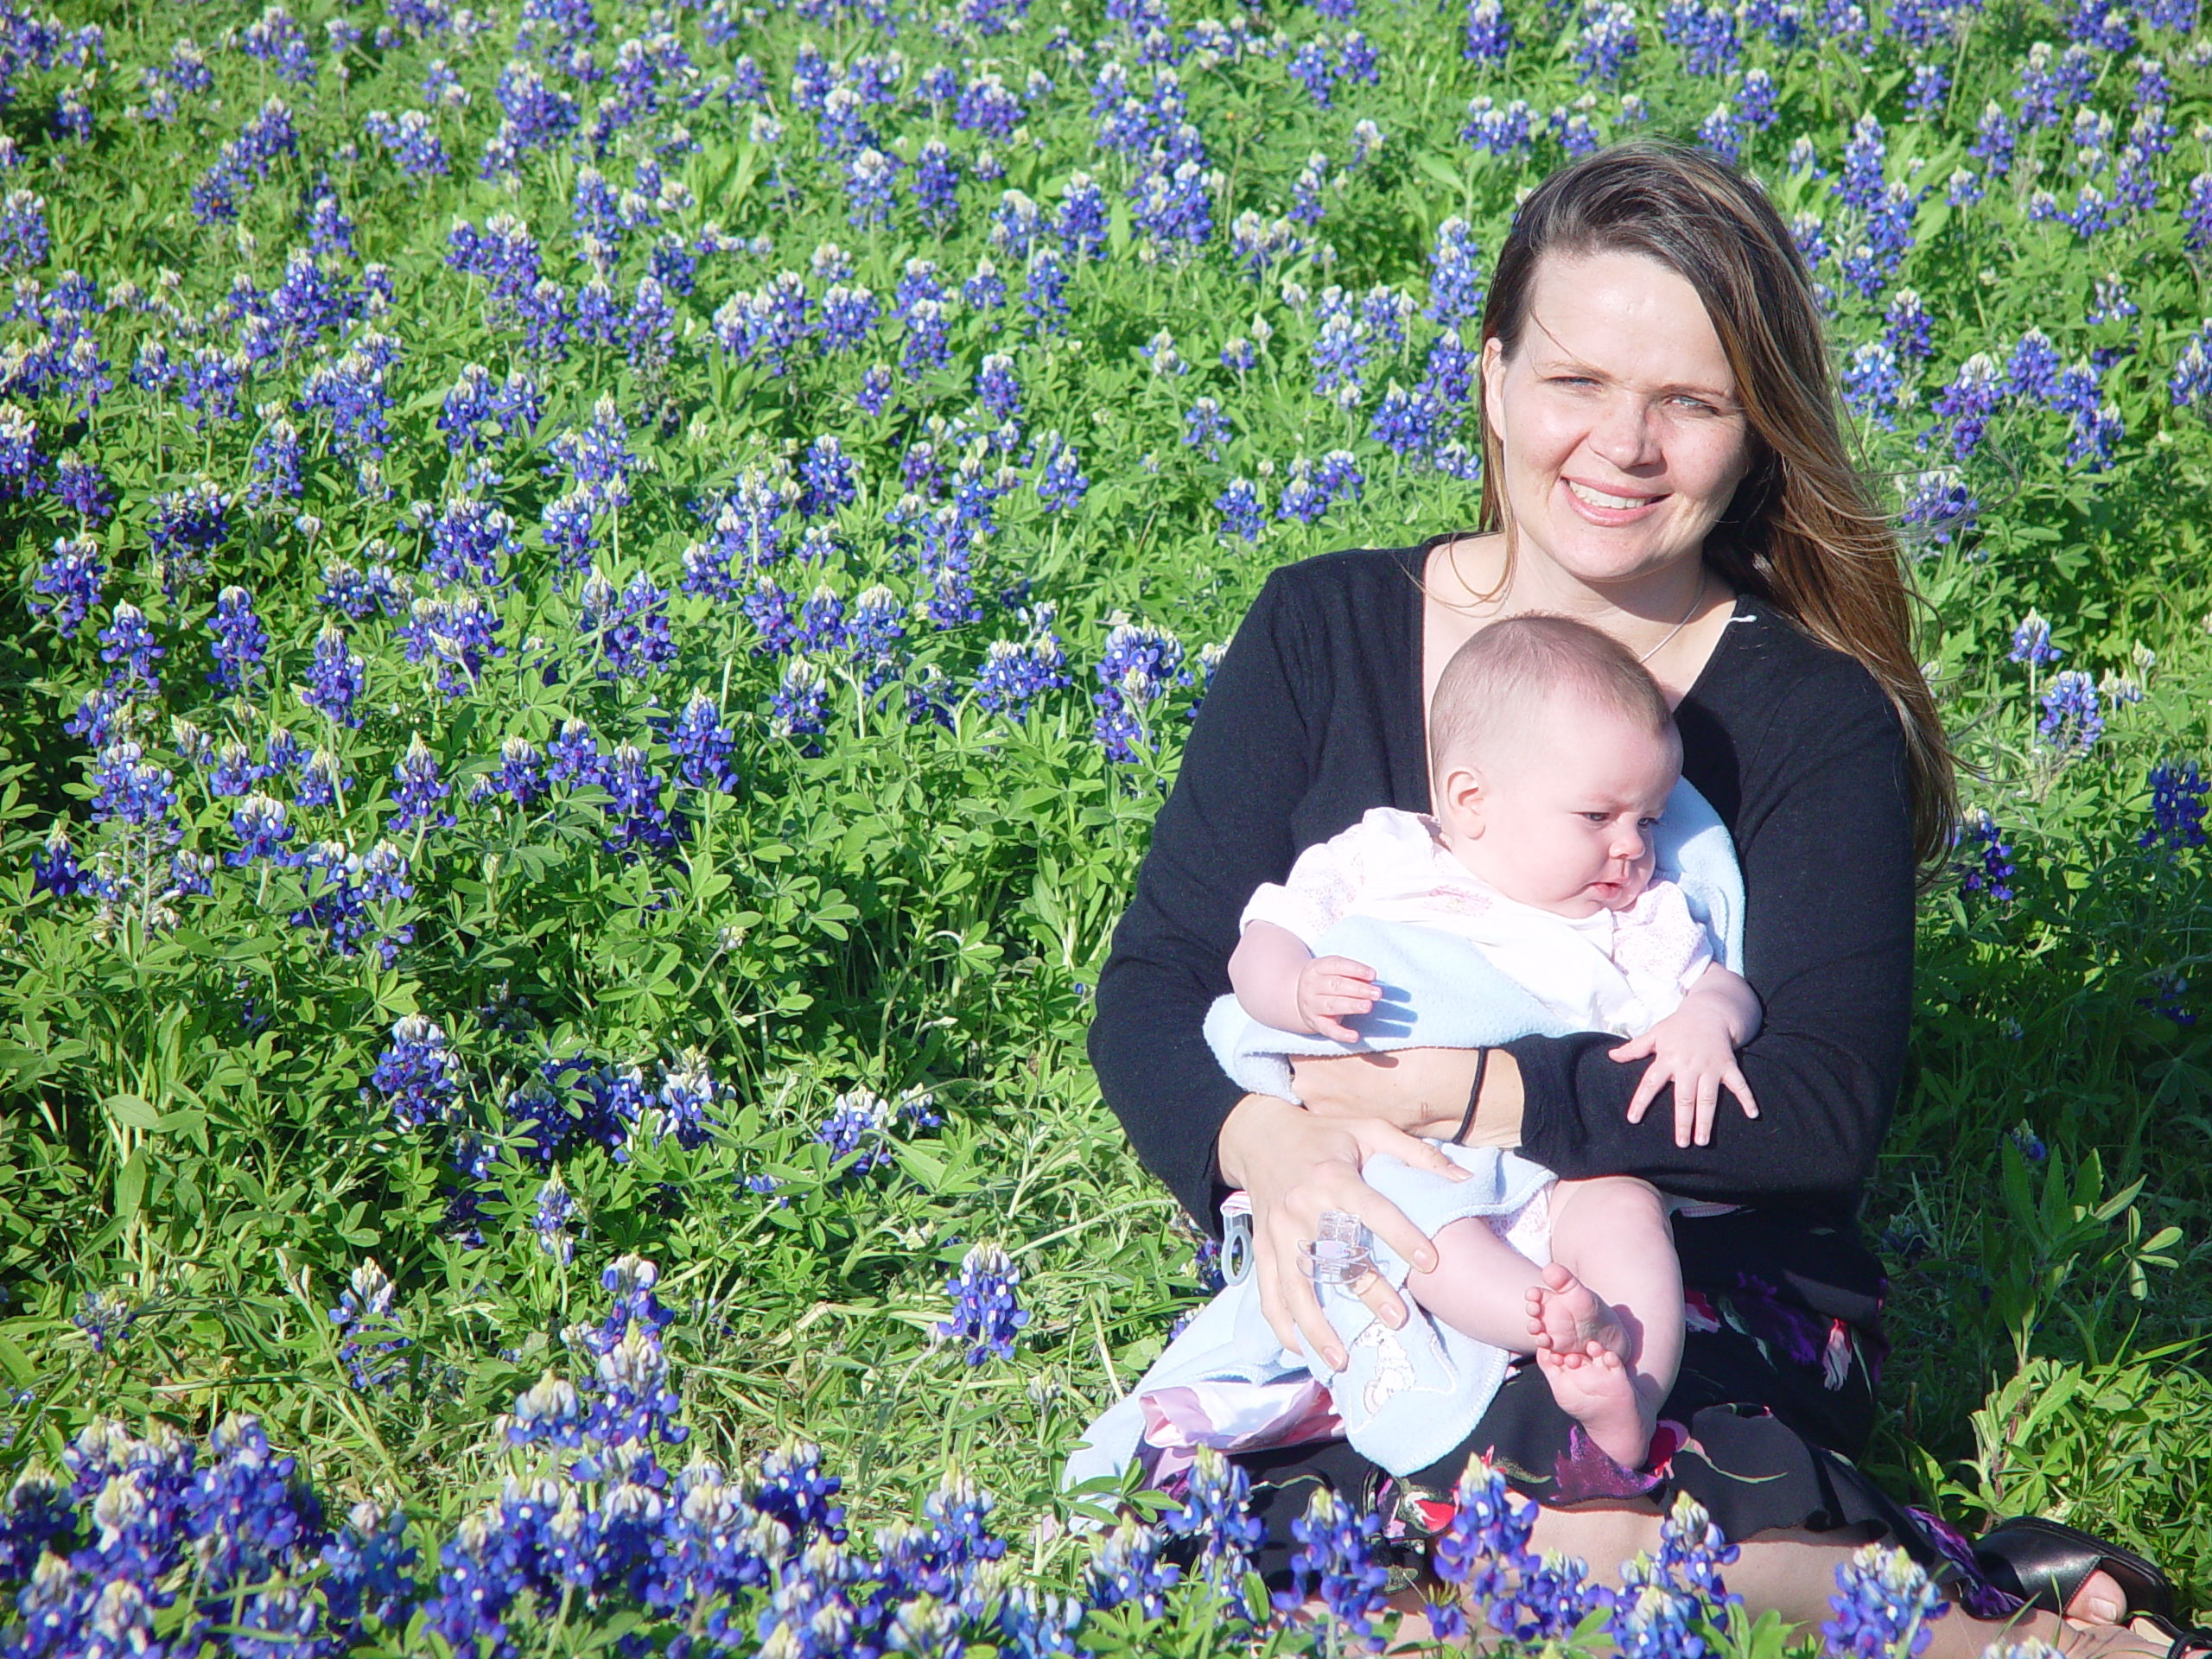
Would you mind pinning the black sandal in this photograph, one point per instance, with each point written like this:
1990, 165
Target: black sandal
2045, 1563
2186, 1639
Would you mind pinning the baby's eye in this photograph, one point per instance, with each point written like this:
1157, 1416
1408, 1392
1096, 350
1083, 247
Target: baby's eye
1646, 824
1597, 817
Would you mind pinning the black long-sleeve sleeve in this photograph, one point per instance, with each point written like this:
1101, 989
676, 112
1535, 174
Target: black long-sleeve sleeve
1315, 716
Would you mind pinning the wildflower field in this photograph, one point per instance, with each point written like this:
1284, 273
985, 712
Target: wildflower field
599, 599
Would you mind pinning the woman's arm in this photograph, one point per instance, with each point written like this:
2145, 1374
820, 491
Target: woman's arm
1225, 828
1824, 840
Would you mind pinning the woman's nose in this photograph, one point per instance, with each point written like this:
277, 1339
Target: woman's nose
1625, 434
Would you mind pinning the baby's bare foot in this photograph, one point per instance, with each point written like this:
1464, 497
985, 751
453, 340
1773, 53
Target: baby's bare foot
1573, 1316
1596, 1387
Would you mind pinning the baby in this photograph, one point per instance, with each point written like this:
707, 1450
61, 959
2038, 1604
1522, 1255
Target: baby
1551, 754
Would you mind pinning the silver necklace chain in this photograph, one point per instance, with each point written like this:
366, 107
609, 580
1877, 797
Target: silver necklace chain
1696, 599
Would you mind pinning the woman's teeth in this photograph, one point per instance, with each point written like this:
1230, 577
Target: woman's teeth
1600, 499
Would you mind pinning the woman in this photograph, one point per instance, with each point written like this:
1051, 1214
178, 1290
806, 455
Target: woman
1663, 460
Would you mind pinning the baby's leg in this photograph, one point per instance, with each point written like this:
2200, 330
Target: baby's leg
1611, 1311
1482, 1286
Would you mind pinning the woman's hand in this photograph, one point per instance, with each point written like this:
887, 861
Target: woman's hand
1294, 1166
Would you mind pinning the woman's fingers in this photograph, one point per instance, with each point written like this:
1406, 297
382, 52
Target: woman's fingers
1409, 1150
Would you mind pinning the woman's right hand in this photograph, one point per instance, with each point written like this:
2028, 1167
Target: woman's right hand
1293, 1167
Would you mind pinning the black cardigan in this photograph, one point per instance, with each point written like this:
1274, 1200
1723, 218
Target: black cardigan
1315, 715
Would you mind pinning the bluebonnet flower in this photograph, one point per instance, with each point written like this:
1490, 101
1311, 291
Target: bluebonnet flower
996, 389
82, 487
1241, 510
457, 634
1455, 283
2031, 642
519, 777
1204, 425
1884, 1607
1755, 100
24, 237
129, 644
1137, 666
2072, 719
1719, 133
575, 761
2176, 807
1214, 1515
869, 178
336, 678
417, 789
54, 868
341, 886
935, 186
827, 480
1908, 330
1940, 504
410, 140
416, 1075
802, 702
1126, 1571
1871, 380
323, 784
1170, 204
768, 607
551, 1215
858, 1125
1060, 482
104, 716
849, 314
239, 645
371, 1337
1968, 401
260, 826
821, 621
1337, 1561
629, 633
235, 773
985, 1314
1930, 86
69, 583
634, 808
105, 1317
701, 745
1489, 33
1014, 674
1607, 40
872, 631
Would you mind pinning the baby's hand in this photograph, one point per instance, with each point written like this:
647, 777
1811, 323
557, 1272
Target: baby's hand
1331, 987
1689, 1048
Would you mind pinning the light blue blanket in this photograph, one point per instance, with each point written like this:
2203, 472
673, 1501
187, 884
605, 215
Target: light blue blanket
1410, 1397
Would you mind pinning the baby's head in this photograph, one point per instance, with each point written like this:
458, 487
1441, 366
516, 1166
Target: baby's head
1551, 754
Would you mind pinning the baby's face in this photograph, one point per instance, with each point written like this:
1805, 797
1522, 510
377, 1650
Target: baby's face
1564, 820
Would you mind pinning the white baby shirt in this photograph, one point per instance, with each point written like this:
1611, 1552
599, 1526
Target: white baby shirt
1621, 971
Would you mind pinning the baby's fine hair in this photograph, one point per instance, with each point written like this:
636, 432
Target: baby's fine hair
1519, 665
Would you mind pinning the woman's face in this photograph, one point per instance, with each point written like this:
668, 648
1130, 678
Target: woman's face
1622, 437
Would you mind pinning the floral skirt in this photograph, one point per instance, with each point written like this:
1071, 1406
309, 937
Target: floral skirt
1780, 1358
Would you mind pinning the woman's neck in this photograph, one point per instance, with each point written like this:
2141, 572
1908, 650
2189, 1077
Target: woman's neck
1671, 617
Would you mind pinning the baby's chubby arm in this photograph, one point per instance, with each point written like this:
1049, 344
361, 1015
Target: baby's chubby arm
1281, 983
1695, 1049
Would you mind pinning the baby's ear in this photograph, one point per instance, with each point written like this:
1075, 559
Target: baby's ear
1460, 800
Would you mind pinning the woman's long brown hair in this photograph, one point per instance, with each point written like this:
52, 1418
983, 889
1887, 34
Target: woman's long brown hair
1801, 533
